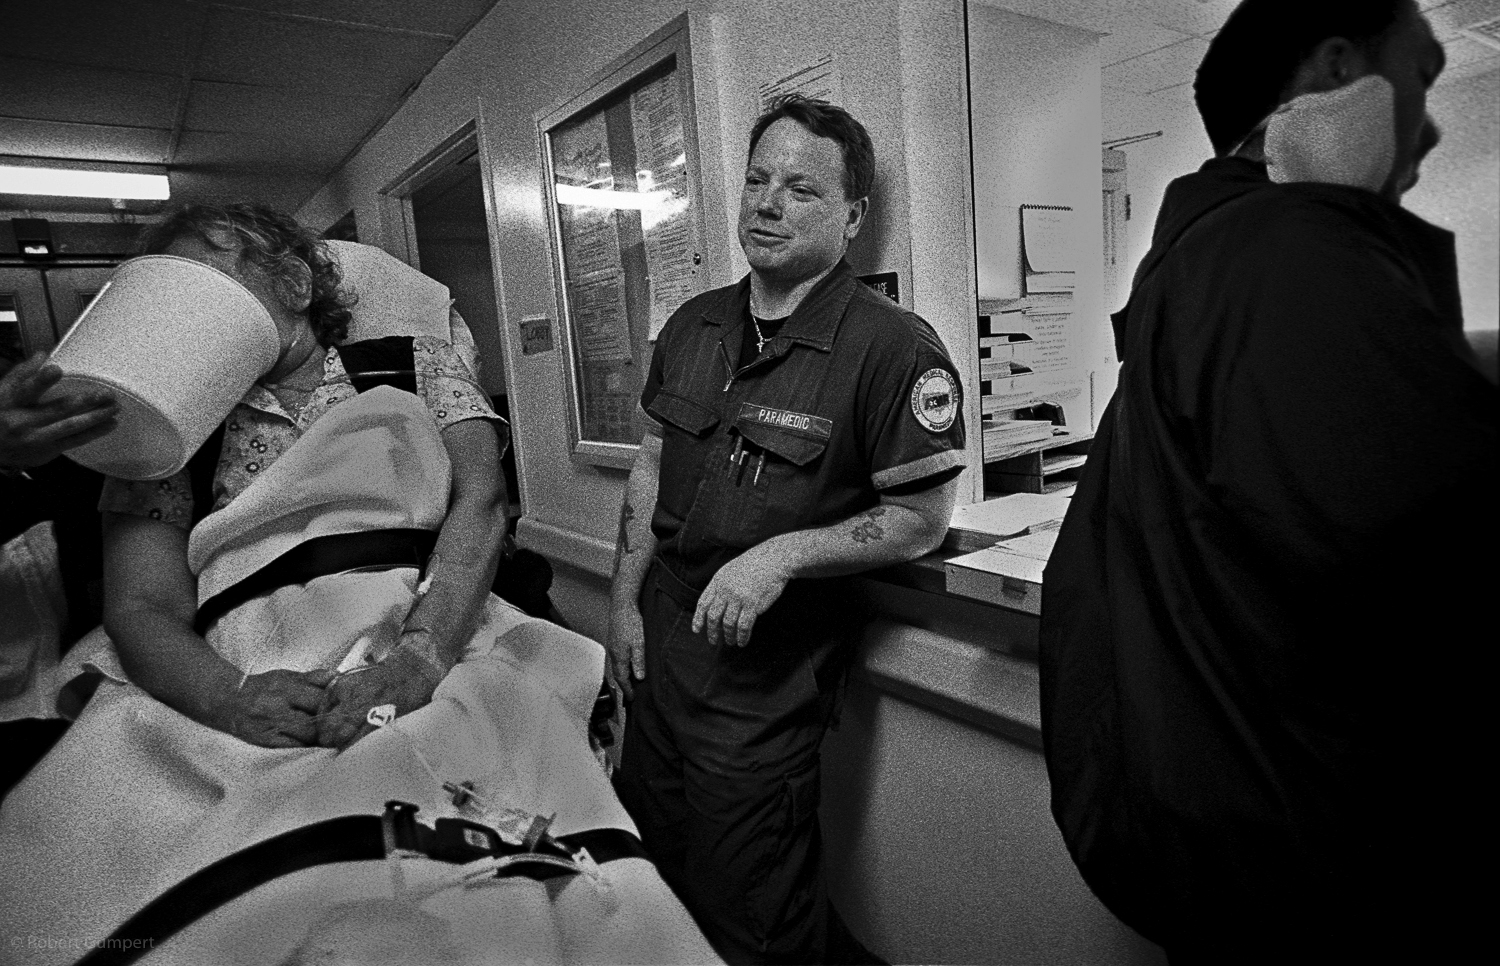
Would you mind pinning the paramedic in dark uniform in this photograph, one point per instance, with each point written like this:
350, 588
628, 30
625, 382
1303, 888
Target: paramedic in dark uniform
803, 428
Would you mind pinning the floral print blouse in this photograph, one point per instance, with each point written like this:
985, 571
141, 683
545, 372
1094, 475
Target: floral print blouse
259, 430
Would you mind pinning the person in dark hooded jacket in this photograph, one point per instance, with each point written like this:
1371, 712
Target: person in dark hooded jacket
1259, 622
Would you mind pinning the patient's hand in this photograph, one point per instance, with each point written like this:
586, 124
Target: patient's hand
277, 709
402, 679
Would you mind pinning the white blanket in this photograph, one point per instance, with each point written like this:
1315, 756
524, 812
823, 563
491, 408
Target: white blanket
136, 796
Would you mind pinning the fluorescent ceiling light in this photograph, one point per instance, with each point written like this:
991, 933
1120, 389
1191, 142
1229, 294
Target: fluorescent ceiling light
571, 194
74, 183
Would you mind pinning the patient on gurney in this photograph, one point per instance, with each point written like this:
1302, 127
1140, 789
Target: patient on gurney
299, 628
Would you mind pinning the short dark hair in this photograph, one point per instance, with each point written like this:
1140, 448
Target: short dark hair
826, 121
1256, 54
271, 241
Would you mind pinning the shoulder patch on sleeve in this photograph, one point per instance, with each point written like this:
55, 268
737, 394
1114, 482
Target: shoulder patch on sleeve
934, 400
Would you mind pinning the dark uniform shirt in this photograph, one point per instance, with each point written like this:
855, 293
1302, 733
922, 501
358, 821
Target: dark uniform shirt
1254, 621
854, 395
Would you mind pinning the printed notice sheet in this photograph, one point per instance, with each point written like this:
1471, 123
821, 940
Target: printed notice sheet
591, 243
1049, 350
661, 174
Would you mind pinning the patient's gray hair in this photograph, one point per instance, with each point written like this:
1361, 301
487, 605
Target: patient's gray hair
279, 246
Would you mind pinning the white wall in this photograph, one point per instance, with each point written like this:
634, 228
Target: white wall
1036, 112
1460, 188
955, 857
1152, 165
522, 59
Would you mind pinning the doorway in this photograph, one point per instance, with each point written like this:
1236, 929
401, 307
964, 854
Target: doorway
448, 239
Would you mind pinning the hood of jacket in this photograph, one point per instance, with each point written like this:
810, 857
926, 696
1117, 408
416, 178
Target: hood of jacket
1186, 200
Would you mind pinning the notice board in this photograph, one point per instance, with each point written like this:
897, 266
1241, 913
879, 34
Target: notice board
620, 164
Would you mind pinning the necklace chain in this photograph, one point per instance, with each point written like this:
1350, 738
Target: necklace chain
760, 339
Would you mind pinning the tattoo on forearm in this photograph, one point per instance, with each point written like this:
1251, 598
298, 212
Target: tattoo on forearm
622, 543
868, 530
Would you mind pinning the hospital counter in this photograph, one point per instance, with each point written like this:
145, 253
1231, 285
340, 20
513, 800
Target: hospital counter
939, 840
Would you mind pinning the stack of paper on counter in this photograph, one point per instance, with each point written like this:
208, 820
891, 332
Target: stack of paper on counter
1000, 433
980, 525
1004, 354
997, 576
1036, 545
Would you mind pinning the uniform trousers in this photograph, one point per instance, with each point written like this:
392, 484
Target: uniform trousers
720, 772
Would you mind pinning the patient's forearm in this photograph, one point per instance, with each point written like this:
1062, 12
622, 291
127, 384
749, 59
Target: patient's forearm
164, 658
461, 570
462, 566
149, 607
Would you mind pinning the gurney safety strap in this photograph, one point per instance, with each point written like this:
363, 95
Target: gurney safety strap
352, 838
319, 557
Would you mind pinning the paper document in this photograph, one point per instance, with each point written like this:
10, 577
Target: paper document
1010, 516
1037, 546
1003, 563
1047, 239
661, 170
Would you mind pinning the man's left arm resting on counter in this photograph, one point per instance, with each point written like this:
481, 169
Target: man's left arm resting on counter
899, 528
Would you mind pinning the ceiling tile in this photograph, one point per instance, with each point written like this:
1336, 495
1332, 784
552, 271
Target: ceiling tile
137, 35
1463, 50
1126, 114
1133, 40
1454, 73
1187, 16
83, 142
1183, 17
1448, 19
279, 152
286, 192
216, 106
1158, 69
1087, 14
1177, 102
60, 92
282, 53
447, 17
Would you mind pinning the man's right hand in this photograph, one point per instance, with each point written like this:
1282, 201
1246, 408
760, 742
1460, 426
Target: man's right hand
277, 709
627, 648
33, 431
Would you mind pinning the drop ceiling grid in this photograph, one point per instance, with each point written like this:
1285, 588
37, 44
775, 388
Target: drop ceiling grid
266, 97
49, 91
448, 18
227, 107
1169, 64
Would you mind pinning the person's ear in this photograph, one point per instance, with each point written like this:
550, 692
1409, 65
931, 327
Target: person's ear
1332, 64
294, 286
857, 212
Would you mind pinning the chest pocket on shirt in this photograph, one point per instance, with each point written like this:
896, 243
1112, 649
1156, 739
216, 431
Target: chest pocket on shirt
686, 443
796, 448
779, 480
682, 413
